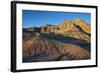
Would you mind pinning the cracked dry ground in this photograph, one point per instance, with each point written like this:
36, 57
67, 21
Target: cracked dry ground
39, 49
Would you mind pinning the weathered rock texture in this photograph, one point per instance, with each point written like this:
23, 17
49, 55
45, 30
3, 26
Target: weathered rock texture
67, 41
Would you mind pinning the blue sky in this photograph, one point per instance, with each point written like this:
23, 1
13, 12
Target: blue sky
32, 18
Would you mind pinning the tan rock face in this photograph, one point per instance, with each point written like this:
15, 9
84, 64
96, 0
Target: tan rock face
83, 25
68, 25
67, 41
69, 28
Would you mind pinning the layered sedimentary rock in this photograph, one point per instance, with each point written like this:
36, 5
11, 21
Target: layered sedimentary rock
69, 40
